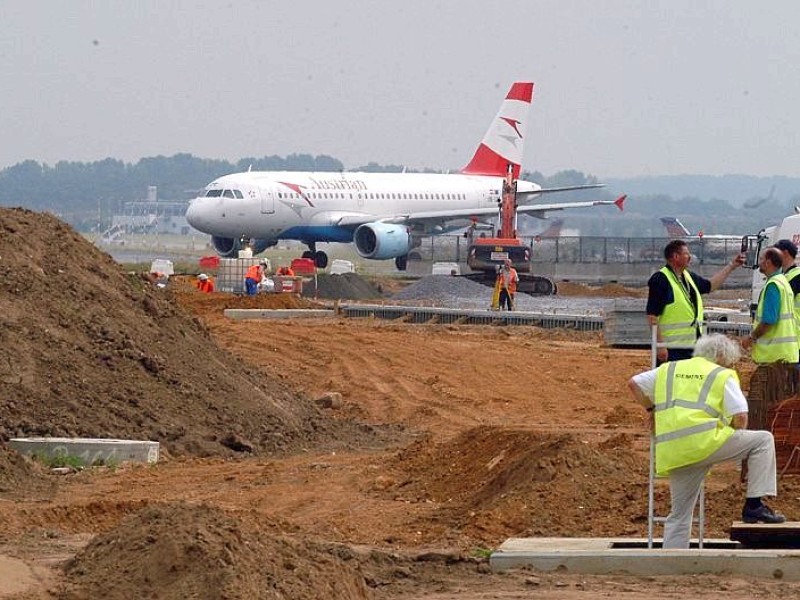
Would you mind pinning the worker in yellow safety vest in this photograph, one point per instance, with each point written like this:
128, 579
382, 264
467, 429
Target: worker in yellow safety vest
773, 337
699, 418
791, 271
675, 301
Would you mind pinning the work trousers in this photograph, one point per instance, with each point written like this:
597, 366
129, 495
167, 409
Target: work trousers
757, 447
506, 299
251, 285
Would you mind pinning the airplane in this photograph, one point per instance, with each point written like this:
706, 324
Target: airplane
716, 243
757, 201
383, 214
552, 231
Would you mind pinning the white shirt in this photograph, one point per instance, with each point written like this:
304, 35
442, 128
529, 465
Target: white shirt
733, 403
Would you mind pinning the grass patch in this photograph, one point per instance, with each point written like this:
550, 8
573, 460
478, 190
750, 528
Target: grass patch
481, 553
73, 462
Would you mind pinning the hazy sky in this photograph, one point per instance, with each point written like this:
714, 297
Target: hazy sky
623, 88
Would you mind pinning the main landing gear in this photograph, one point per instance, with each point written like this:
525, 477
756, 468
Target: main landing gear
401, 262
319, 257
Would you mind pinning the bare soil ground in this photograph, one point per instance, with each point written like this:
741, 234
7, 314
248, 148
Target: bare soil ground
320, 458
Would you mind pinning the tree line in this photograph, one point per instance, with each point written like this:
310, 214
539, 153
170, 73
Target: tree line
87, 194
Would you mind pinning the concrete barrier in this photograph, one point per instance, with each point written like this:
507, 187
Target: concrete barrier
90, 451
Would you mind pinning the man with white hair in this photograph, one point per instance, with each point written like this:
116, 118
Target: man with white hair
699, 418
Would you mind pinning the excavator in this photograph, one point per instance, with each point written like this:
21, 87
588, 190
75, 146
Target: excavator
485, 255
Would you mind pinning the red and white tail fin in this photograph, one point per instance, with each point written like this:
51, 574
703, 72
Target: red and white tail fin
554, 230
675, 229
504, 140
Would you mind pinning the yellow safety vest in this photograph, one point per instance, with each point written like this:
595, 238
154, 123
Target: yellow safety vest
779, 343
678, 323
790, 275
690, 422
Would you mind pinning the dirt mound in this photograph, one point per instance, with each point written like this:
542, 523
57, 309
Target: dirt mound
531, 483
347, 286
185, 551
202, 304
21, 478
88, 350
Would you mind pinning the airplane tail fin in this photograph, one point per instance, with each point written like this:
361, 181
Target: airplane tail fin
675, 229
554, 230
503, 142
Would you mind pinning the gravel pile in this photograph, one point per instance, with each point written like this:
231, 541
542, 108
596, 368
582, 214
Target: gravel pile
349, 286
446, 291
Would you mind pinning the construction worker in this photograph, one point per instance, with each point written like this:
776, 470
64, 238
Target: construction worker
253, 277
508, 284
675, 303
204, 283
773, 337
791, 272
698, 415
286, 271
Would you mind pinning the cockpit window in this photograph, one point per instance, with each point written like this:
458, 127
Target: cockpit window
227, 194
238, 194
213, 193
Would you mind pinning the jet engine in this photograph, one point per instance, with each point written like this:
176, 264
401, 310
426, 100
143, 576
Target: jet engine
229, 247
380, 241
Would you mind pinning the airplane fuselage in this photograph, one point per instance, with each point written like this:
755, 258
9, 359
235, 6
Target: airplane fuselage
324, 207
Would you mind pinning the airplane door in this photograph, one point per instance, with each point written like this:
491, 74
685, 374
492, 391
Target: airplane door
267, 201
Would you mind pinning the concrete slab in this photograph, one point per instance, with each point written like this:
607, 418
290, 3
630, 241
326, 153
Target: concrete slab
278, 313
599, 556
90, 451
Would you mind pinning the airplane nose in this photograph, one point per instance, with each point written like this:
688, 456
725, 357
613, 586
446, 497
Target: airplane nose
196, 215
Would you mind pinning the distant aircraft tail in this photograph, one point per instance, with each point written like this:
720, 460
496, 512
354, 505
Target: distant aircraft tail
675, 229
502, 144
554, 230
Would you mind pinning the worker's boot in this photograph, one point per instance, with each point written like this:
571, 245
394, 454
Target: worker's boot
762, 514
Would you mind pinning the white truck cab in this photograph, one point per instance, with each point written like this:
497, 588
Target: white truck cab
753, 245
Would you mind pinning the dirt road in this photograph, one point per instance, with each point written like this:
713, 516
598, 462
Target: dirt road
433, 445
486, 433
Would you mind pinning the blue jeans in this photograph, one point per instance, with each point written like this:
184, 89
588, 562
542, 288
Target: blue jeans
251, 285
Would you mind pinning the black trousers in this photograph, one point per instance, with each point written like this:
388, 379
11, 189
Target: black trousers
506, 299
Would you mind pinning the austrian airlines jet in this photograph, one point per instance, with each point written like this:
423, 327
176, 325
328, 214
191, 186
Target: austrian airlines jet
384, 214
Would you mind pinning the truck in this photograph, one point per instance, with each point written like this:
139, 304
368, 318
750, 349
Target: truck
485, 255
754, 244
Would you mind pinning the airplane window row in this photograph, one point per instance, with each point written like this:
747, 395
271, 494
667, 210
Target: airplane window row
378, 196
225, 194
216, 193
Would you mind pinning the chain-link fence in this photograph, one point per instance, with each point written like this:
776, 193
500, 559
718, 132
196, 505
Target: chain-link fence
569, 249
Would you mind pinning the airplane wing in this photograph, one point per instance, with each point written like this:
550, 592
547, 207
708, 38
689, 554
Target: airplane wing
438, 217
536, 210
527, 196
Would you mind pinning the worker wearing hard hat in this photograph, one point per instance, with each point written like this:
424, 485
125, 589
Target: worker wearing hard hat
508, 284
253, 277
204, 283
286, 271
